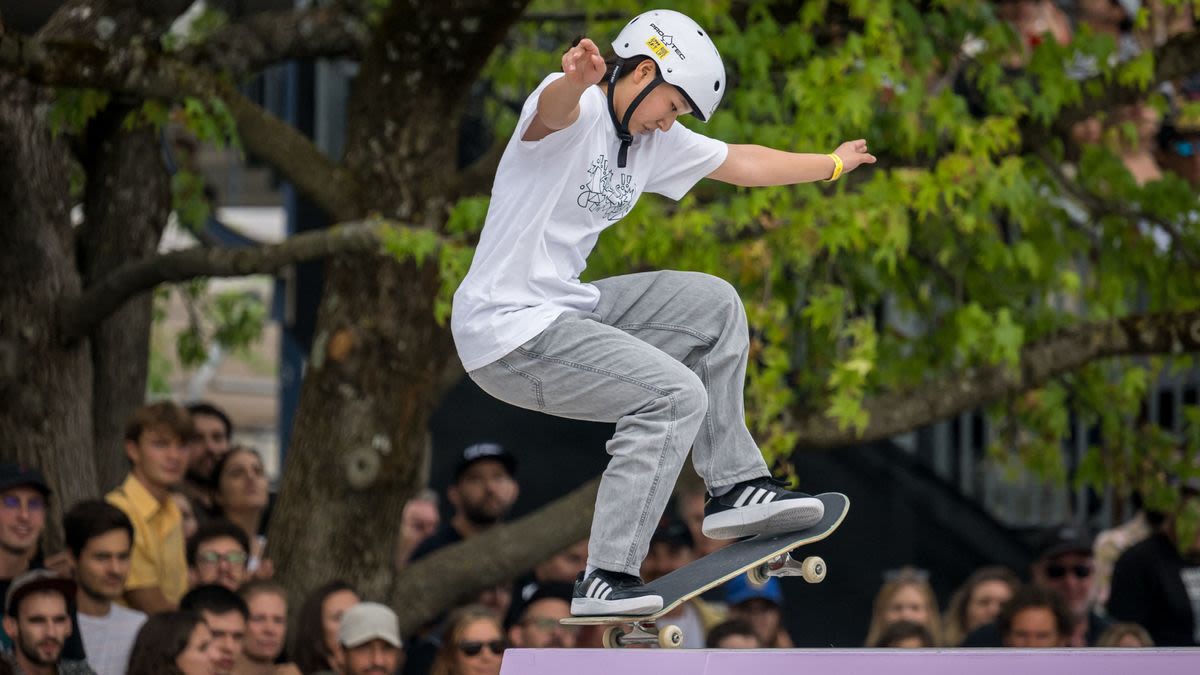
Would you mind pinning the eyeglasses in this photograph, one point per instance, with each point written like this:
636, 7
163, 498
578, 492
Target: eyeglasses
548, 624
234, 558
474, 647
13, 503
1060, 571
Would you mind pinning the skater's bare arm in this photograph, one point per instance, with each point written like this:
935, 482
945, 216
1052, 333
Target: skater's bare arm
756, 166
558, 105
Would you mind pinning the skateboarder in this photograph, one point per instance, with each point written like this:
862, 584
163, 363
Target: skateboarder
661, 354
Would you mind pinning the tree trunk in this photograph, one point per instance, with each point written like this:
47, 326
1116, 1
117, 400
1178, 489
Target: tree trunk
126, 207
360, 428
46, 419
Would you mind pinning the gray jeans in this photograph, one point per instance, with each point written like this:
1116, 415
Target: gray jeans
663, 356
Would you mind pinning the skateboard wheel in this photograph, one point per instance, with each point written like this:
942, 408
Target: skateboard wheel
757, 576
670, 637
612, 637
813, 569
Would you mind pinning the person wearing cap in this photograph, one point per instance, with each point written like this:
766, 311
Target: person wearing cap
1064, 566
36, 616
538, 625
24, 498
761, 607
483, 492
661, 354
671, 548
369, 641
156, 439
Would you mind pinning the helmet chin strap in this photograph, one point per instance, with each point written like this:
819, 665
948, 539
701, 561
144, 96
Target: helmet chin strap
623, 125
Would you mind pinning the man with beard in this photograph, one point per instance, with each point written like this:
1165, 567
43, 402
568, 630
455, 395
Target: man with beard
483, 492
212, 440
35, 615
369, 641
100, 540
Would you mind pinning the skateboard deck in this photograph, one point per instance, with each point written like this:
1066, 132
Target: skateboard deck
722, 565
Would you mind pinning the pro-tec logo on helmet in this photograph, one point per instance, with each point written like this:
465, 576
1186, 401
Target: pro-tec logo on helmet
667, 40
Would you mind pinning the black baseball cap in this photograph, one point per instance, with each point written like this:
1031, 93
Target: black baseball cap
19, 475
480, 451
34, 581
1064, 539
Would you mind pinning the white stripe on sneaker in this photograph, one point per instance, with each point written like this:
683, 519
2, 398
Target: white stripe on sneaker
603, 591
607, 592
770, 498
592, 587
744, 496
761, 496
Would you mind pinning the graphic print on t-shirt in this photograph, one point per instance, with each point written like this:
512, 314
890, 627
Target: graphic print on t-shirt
599, 195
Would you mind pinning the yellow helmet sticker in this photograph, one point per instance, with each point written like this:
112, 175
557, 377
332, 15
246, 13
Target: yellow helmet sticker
658, 48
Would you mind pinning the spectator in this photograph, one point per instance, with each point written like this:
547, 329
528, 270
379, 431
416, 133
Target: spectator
225, 614
1115, 19
99, 538
1064, 565
538, 625
217, 554
761, 607
369, 641
484, 490
241, 494
1035, 617
1156, 586
155, 440
35, 616
904, 635
1179, 149
23, 499
671, 547
173, 643
561, 568
318, 623
1111, 543
213, 439
733, 634
905, 596
266, 630
1126, 636
472, 643
977, 602
418, 522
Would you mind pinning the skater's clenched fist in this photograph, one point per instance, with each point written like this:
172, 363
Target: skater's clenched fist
583, 64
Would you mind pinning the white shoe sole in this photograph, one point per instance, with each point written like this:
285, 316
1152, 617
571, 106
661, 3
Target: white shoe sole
790, 515
640, 606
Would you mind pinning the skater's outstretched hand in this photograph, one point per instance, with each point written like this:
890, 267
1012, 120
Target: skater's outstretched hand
583, 64
854, 154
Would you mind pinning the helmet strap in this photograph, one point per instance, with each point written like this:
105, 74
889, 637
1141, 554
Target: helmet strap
622, 125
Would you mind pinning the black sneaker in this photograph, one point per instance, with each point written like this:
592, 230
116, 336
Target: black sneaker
604, 593
759, 506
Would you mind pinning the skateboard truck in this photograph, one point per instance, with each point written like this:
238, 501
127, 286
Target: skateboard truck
643, 633
811, 569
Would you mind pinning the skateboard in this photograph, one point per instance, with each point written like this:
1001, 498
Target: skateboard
760, 557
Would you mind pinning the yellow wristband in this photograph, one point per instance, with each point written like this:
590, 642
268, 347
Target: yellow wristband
837, 167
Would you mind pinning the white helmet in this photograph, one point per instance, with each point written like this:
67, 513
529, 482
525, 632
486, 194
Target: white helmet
686, 57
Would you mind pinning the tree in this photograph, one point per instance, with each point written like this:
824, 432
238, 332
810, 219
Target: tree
951, 276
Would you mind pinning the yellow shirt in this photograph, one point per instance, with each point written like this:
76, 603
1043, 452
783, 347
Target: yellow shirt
159, 559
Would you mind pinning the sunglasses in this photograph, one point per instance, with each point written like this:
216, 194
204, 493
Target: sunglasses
1060, 571
14, 503
474, 647
234, 558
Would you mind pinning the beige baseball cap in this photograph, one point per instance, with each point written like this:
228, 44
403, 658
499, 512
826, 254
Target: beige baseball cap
368, 621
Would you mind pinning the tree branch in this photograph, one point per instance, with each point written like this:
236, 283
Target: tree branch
457, 573
265, 38
78, 317
1097, 205
135, 70
899, 412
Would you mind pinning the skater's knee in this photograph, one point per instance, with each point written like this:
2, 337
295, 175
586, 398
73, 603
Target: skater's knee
690, 397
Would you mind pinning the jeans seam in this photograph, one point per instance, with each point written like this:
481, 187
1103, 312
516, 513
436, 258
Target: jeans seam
638, 535
537, 383
593, 369
707, 422
707, 339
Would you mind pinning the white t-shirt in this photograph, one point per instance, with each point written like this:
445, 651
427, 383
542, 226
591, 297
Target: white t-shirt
550, 201
107, 640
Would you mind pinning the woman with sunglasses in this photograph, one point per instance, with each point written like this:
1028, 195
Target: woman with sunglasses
472, 643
